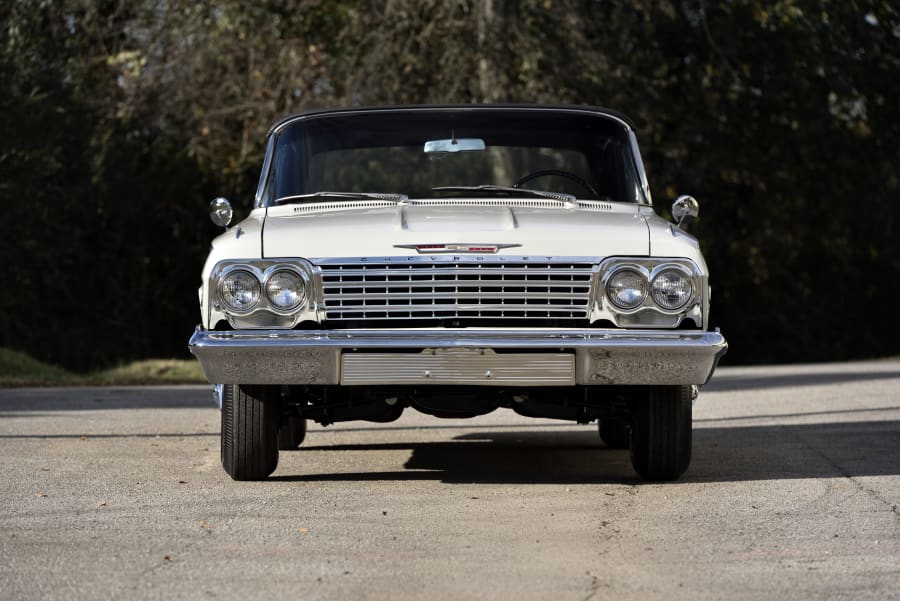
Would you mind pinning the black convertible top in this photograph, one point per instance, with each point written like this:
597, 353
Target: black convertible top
455, 107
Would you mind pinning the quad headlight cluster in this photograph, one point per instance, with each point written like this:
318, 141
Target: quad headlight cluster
280, 289
665, 287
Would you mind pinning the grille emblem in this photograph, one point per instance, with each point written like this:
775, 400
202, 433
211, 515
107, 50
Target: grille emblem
456, 248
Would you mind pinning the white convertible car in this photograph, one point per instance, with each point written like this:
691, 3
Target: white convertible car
454, 260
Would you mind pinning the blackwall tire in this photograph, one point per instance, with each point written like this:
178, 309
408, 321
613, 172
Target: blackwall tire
291, 433
250, 431
661, 432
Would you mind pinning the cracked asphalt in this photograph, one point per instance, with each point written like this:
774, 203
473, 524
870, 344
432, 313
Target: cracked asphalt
793, 493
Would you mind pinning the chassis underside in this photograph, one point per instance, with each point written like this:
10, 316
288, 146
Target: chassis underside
330, 404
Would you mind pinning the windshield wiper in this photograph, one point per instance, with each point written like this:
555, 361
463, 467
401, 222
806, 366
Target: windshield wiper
344, 196
508, 190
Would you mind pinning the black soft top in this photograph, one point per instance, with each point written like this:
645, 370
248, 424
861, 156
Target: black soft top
455, 107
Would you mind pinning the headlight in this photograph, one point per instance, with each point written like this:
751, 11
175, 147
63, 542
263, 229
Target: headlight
239, 291
672, 289
626, 289
285, 290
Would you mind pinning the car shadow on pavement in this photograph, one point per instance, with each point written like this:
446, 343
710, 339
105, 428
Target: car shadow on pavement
33, 401
796, 451
721, 454
515, 457
728, 382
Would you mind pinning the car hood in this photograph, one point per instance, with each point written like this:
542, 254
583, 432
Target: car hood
378, 228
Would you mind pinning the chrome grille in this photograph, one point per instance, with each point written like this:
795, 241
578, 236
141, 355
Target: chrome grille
467, 291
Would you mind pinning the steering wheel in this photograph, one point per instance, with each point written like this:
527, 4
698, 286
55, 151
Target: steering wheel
558, 173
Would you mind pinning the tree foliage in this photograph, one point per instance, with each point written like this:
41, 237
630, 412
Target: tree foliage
120, 119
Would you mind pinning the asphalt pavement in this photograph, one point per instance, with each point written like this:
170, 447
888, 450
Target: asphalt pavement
793, 493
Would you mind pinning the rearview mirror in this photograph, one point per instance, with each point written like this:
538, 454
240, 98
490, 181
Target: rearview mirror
454, 145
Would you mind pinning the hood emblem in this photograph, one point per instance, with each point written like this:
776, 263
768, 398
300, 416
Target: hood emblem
456, 247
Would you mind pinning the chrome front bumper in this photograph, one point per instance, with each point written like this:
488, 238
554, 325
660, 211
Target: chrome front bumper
488, 357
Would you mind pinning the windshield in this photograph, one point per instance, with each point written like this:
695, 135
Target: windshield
433, 153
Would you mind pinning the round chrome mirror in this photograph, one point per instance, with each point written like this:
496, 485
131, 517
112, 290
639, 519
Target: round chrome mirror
220, 211
685, 209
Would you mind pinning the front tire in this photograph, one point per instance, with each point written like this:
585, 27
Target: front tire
250, 431
661, 432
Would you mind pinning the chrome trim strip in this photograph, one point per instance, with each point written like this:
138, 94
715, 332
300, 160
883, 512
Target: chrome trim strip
638, 161
597, 206
451, 283
453, 296
602, 356
456, 247
264, 174
458, 258
477, 367
475, 269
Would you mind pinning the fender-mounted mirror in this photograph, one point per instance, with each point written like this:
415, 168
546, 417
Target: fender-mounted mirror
685, 210
220, 211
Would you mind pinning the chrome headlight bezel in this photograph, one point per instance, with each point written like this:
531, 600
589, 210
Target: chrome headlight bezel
649, 313
265, 313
